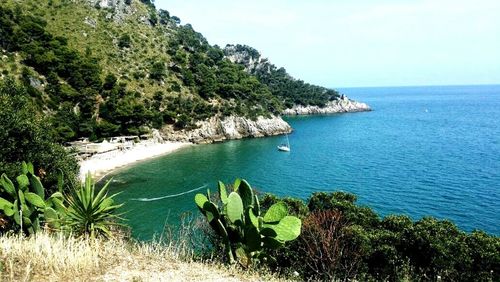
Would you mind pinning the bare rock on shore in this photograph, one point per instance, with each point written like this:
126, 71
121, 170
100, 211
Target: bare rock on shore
342, 105
216, 129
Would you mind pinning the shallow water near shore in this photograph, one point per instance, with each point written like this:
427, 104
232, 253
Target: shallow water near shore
422, 151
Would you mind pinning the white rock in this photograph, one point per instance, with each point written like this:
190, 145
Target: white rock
343, 105
231, 127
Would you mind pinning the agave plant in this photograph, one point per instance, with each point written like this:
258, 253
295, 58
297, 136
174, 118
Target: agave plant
89, 213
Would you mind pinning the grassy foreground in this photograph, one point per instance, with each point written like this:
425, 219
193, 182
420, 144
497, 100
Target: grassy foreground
54, 257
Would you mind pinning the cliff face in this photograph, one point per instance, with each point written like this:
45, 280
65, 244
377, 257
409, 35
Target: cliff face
343, 105
216, 129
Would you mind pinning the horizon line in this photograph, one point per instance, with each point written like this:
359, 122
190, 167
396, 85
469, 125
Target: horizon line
402, 86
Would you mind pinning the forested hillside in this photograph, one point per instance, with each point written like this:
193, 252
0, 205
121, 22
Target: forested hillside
103, 68
289, 90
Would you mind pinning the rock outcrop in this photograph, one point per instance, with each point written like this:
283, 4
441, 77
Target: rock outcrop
342, 105
216, 129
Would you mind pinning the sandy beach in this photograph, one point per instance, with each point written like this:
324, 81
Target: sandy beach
99, 165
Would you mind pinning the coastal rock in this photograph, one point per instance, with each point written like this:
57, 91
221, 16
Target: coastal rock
342, 105
216, 129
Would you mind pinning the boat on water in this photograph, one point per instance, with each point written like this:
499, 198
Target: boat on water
285, 147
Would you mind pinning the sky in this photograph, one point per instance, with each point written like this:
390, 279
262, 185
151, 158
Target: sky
357, 43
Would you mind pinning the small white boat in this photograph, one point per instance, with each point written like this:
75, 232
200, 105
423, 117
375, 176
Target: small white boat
285, 147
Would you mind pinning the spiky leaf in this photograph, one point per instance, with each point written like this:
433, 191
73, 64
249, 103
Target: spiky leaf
253, 239
222, 192
235, 208
253, 219
287, 229
16, 215
31, 168
211, 211
36, 185
8, 185
200, 201
221, 229
23, 181
256, 208
268, 232
34, 199
236, 184
24, 168
271, 243
276, 212
246, 194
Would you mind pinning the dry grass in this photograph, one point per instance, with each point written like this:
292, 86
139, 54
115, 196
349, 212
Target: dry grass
54, 257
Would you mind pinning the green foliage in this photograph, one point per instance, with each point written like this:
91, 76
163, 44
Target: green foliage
89, 213
281, 84
244, 231
342, 240
296, 207
124, 41
79, 104
23, 135
157, 71
24, 204
164, 16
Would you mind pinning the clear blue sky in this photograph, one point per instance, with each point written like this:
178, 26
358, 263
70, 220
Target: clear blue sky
359, 42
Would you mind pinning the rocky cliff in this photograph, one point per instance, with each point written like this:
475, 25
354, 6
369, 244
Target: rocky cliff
342, 105
216, 129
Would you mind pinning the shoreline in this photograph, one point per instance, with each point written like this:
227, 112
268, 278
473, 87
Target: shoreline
100, 165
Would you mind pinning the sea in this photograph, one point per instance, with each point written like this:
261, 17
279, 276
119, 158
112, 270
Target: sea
422, 151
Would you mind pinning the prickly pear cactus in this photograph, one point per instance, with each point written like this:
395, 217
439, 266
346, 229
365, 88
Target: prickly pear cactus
25, 205
245, 232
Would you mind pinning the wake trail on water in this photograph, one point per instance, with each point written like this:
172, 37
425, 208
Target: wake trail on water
168, 196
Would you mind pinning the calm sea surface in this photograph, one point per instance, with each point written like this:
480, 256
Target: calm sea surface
422, 151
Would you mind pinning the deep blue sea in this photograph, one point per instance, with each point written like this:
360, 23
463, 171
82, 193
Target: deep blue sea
422, 151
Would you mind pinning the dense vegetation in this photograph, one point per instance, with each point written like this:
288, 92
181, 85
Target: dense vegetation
23, 135
342, 240
178, 80
55, 86
289, 90
27, 208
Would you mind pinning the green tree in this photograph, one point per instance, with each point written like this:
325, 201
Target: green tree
24, 136
124, 41
157, 71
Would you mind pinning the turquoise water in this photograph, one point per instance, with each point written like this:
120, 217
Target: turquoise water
422, 151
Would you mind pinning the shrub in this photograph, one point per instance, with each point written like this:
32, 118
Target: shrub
157, 71
24, 135
342, 240
327, 245
124, 41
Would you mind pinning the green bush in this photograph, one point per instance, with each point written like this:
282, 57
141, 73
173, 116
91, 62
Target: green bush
124, 41
342, 240
24, 136
157, 71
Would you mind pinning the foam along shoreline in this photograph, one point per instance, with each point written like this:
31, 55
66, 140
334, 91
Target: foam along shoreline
99, 165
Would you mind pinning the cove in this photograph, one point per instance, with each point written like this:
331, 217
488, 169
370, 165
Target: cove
422, 151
